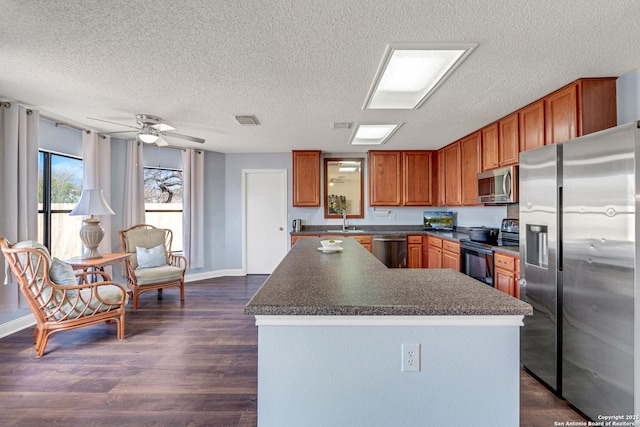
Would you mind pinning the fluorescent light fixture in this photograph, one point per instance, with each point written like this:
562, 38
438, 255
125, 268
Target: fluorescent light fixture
347, 169
373, 134
409, 74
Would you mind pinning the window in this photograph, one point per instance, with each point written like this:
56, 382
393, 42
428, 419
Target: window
163, 201
59, 189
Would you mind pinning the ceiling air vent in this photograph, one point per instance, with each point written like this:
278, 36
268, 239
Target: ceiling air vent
247, 120
341, 125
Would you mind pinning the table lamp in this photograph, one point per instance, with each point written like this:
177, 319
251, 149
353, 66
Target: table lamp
92, 203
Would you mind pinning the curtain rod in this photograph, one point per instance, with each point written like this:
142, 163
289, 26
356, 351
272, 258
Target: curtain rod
69, 125
59, 123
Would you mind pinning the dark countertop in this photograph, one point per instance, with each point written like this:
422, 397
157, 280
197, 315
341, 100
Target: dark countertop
401, 231
354, 282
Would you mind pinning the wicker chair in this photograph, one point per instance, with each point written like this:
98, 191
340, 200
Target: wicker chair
60, 307
142, 278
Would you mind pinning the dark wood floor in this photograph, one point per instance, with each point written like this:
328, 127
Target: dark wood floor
191, 364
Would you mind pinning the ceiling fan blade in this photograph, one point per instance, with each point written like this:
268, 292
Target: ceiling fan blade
161, 142
161, 127
188, 138
120, 131
113, 123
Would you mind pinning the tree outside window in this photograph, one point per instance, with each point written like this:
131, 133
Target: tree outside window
163, 201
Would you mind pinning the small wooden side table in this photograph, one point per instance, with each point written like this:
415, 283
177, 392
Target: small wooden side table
97, 264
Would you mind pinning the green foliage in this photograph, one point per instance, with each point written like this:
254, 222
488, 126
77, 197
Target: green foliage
62, 188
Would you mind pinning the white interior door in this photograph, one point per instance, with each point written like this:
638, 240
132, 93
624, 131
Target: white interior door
265, 219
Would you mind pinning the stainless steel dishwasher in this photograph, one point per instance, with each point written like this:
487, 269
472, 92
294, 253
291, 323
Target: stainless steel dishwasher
391, 250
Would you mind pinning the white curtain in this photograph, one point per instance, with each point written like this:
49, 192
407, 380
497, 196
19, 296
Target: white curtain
134, 186
19, 129
96, 166
193, 207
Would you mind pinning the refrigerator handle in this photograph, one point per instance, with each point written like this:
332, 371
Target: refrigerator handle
559, 213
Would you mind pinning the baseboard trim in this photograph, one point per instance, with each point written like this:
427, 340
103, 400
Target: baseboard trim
17, 325
213, 274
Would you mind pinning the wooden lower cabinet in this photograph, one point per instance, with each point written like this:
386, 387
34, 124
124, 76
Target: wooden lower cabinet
364, 239
435, 257
414, 252
507, 274
443, 253
451, 255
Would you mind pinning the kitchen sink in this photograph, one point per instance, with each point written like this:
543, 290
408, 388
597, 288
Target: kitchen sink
344, 231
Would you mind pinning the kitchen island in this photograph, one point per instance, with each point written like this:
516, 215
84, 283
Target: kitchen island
331, 330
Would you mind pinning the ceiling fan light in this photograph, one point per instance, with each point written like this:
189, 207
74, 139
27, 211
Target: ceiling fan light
147, 138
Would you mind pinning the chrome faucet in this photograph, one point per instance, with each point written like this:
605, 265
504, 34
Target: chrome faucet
344, 220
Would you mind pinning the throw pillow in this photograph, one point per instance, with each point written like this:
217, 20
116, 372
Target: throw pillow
149, 258
62, 273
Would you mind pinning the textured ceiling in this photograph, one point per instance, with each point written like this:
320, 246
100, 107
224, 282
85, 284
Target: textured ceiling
299, 65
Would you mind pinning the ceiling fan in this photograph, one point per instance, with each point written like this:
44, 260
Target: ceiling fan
151, 129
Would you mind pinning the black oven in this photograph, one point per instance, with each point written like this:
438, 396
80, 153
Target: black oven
476, 260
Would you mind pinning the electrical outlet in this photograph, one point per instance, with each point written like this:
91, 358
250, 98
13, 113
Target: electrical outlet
410, 357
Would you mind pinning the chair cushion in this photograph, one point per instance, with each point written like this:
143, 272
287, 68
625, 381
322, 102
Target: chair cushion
109, 293
151, 276
144, 238
62, 273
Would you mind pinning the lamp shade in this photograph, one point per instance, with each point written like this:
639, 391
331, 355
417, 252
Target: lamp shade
147, 137
92, 202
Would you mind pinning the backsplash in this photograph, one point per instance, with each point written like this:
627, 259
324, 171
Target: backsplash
471, 216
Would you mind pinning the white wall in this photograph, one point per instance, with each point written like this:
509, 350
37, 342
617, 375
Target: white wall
234, 164
628, 97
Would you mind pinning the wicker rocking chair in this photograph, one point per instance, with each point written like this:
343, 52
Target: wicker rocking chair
168, 271
61, 307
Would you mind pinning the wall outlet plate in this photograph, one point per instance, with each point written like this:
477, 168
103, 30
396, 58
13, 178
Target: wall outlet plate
410, 357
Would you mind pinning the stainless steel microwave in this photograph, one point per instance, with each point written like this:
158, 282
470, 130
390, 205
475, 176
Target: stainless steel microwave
498, 186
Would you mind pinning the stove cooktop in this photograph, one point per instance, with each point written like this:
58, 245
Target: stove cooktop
509, 236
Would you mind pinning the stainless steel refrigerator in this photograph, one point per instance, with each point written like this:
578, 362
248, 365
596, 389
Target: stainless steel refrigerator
578, 254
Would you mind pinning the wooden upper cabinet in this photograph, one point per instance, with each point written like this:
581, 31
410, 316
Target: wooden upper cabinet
490, 147
306, 178
439, 174
532, 133
509, 141
596, 104
384, 178
500, 143
580, 108
452, 182
470, 152
561, 114
400, 178
417, 175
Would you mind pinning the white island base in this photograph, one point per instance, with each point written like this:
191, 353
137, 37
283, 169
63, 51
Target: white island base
346, 371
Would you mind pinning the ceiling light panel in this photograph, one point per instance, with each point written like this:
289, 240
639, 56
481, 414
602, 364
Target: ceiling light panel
409, 74
373, 134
